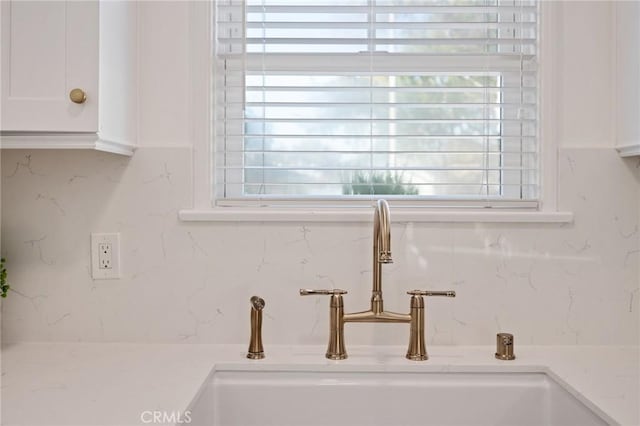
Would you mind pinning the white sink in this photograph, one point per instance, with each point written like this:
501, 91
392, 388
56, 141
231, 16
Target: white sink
310, 398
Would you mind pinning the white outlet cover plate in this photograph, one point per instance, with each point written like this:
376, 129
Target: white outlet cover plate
105, 274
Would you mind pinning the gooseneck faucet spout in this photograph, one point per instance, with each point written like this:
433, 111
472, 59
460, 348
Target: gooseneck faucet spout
381, 255
381, 251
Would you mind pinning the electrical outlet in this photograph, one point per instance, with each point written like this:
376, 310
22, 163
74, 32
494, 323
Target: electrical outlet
105, 256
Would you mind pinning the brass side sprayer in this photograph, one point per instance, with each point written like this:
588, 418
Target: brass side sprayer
256, 350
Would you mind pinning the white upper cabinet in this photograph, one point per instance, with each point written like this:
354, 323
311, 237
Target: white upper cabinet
627, 27
49, 48
69, 74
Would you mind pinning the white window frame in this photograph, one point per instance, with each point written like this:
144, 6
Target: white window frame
204, 206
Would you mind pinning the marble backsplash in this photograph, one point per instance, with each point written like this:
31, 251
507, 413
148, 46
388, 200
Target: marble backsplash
191, 282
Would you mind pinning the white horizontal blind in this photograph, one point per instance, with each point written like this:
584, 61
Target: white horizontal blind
424, 99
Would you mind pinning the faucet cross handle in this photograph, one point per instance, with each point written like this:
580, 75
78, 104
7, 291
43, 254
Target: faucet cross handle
335, 348
432, 293
324, 292
417, 350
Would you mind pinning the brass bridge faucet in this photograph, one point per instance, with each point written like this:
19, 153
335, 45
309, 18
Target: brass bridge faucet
381, 254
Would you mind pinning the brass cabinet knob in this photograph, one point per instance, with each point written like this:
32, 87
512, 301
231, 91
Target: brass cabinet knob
77, 96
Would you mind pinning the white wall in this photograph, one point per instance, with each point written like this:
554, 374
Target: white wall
586, 74
164, 73
191, 282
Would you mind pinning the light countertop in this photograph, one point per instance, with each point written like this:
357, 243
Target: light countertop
113, 384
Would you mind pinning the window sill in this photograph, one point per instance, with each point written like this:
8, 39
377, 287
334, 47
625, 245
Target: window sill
398, 214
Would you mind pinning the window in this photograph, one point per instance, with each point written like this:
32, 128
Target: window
347, 100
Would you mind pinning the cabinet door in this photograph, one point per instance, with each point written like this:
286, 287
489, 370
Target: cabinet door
48, 49
628, 77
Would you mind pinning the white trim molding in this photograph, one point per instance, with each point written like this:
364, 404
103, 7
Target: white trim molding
64, 141
629, 150
547, 100
419, 214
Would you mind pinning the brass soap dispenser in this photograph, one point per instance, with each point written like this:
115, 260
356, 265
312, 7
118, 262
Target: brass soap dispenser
504, 347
